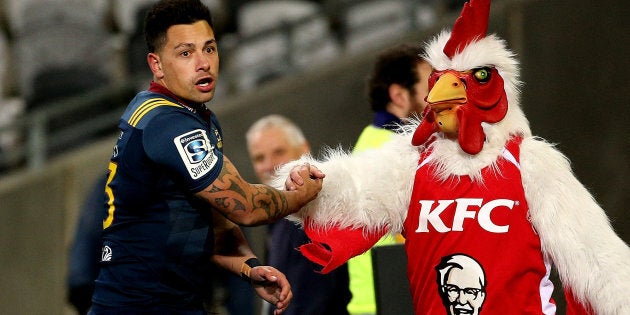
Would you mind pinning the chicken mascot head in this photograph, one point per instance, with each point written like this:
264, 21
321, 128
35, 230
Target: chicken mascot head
486, 209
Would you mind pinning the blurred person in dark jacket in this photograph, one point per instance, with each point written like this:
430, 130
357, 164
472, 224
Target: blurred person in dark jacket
272, 141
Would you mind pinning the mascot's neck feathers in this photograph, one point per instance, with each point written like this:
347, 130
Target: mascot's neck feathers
475, 49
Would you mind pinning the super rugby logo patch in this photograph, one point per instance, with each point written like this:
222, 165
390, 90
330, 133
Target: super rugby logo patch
196, 152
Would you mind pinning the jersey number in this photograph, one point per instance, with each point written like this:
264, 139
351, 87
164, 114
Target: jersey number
110, 195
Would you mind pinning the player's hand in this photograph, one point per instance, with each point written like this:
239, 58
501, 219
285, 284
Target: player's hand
272, 286
297, 178
306, 181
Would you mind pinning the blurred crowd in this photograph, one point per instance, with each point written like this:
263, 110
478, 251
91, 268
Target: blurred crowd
94, 51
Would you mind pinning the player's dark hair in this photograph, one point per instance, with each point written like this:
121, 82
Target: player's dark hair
395, 65
167, 13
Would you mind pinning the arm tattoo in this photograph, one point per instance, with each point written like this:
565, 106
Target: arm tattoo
231, 195
271, 201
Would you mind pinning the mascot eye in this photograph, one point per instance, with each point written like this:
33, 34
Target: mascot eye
482, 74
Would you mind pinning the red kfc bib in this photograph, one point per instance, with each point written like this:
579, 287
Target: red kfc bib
470, 246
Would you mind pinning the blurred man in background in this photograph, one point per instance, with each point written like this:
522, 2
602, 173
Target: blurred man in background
272, 141
85, 251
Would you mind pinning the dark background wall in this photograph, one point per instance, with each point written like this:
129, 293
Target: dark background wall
577, 94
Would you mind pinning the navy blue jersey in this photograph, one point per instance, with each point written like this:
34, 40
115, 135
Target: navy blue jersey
157, 238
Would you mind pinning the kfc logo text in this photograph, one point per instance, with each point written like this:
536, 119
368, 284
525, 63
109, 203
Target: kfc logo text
465, 208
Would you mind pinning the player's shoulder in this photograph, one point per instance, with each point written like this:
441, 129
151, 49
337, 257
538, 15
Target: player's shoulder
148, 105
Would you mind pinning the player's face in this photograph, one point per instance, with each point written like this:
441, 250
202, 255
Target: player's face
188, 64
270, 148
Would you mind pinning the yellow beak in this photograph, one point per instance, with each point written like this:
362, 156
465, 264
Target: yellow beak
448, 88
446, 96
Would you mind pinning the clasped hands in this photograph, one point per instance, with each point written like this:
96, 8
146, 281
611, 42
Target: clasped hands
305, 174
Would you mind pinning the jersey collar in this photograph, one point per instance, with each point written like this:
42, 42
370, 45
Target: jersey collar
160, 89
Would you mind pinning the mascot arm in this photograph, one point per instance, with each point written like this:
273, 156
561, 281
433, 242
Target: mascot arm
363, 197
592, 261
334, 246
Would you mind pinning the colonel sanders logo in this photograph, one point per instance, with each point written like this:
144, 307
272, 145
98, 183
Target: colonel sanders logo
461, 284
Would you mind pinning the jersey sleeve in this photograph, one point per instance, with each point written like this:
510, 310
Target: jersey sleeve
184, 145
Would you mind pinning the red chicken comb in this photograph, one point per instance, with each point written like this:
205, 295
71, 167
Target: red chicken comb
471, 25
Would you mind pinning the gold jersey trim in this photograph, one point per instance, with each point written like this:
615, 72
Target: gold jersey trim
146, 107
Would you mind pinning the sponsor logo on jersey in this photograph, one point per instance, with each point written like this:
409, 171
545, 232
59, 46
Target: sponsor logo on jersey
219, 140
465, 209
196, 152
106, 253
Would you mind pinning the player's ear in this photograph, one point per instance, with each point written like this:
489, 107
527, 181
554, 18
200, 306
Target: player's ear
155, 64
